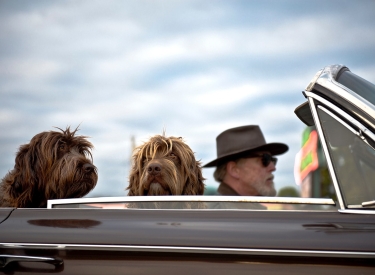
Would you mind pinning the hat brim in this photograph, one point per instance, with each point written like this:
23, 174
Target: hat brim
274, 148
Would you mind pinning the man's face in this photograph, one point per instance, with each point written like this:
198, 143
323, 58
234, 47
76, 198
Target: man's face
256, 179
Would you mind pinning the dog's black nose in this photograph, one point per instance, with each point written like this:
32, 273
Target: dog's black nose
154, 168
87, 168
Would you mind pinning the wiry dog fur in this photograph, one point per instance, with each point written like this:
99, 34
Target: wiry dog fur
165, 166
54, 165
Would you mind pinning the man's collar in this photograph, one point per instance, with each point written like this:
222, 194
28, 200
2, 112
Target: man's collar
226, 190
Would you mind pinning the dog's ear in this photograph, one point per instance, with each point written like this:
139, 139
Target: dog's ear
134, 178
12, 187
195, 182
20, 182
133, 183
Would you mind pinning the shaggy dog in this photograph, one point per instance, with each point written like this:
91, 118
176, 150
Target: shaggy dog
54, 165
165, 166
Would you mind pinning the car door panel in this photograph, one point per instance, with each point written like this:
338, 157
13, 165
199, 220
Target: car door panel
165, 241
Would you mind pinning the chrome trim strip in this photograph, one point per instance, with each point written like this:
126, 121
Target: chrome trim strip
343, 114
355, 211
329, 72
368, 203
326, 80
313, 81
179, 249
326, 151
253, 199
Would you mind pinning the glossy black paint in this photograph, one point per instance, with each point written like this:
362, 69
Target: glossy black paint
224, 229
270, 230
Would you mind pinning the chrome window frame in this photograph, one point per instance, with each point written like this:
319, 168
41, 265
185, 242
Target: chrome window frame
317, 101
239, 199
311, 99
342, 113
326, 78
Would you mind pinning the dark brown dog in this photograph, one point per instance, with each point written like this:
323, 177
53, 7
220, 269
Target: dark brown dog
54, 165
165, 166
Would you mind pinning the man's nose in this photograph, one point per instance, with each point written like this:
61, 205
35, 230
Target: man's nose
271, 167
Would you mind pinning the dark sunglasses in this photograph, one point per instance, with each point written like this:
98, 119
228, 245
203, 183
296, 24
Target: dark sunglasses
266, 159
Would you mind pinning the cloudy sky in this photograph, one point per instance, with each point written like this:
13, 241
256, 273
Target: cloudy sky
195, 68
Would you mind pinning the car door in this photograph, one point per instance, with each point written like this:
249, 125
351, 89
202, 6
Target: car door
144, 241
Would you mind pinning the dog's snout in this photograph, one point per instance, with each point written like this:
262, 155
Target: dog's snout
154, 168
88, 168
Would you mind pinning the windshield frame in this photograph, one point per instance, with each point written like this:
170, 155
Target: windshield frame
356, 127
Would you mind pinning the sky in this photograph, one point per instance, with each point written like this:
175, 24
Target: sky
123, 69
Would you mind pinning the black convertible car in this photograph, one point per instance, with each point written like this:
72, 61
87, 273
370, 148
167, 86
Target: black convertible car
222, 234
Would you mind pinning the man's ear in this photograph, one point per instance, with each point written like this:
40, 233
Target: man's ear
233, 170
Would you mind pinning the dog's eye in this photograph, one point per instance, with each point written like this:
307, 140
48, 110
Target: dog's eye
172, 155
62, 147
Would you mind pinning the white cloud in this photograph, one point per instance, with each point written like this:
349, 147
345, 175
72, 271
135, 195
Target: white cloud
196, 68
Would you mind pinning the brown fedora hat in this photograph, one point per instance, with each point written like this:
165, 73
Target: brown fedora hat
239, 141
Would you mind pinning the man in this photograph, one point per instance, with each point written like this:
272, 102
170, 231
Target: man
245, 162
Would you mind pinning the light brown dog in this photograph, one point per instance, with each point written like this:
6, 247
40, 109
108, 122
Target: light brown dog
165, 166
54, 165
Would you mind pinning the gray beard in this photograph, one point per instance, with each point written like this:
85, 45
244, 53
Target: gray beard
267, 191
